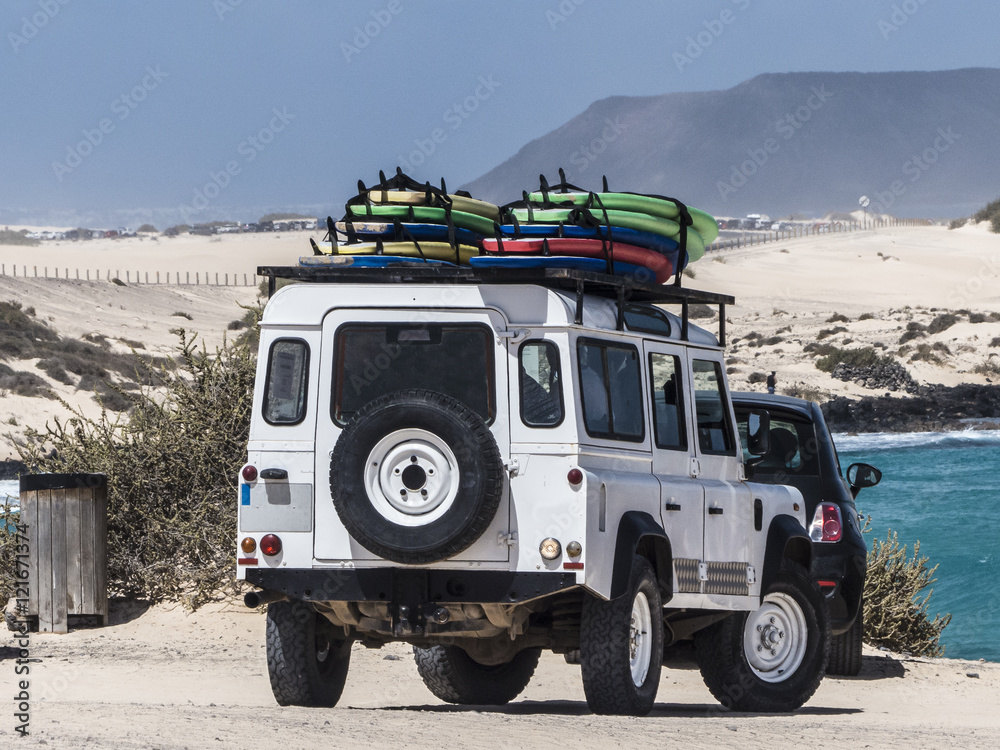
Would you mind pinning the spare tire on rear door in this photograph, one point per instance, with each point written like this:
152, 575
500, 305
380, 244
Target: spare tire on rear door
416, 476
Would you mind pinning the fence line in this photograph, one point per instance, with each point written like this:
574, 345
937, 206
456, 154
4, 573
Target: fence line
132, 277
751, 237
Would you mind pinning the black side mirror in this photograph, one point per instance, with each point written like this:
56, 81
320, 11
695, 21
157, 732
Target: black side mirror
758, 433
860, 476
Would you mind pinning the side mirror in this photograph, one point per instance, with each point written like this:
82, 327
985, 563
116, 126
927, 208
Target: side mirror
860, 476
758, 433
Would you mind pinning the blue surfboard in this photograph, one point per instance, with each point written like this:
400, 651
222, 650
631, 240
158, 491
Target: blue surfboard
594, 265
366, 261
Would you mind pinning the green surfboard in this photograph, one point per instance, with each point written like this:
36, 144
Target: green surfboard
428, 214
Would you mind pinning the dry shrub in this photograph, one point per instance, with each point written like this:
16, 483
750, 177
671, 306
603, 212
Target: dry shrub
895, 605
172, 468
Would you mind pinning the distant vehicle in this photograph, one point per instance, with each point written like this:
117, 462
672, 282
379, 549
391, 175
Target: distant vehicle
802, 455
763, 224
227, 229
266, 226
251, 227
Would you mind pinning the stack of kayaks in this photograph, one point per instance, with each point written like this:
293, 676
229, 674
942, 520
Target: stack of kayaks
649, 238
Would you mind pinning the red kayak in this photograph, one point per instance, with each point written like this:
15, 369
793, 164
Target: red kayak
656, 262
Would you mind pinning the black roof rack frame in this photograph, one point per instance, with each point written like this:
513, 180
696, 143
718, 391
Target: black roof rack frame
620, 288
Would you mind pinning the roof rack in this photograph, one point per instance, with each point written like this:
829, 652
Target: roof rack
620, 288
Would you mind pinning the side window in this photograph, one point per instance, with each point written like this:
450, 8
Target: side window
794, 447
714, 433
287, 378
669, 429
541, 384
611, 389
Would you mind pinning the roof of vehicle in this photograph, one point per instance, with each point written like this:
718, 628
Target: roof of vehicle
753, 398
554, 299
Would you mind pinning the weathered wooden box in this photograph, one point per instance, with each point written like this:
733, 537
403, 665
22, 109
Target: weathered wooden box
66, 519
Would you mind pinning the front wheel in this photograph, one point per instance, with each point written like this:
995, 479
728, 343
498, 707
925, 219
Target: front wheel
621, 646
306, 660
771, 659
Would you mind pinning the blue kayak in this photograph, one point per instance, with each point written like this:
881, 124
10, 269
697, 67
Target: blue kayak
368, 230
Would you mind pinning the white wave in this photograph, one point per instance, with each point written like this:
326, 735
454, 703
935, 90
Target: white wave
9, 488
878, 441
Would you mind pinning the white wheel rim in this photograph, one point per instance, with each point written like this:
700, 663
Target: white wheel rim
640, 644
411, 477
774, 639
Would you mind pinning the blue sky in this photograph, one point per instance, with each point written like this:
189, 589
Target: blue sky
135, 106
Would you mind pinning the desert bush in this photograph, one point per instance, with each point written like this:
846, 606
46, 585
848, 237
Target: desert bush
772, 340
838, 318
172, 474
995, 341
22, 383
55, 369
867, 316
910, 335
756, 377
808, 393
827, 332
957, 223
865, 356
988, 367
698, 310
186, 316
689, 272
895, 606
819, 350
146, 228
10, 237
975, 317
990, 213
942, 322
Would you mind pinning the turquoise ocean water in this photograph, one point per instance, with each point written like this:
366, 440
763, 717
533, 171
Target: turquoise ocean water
944, 490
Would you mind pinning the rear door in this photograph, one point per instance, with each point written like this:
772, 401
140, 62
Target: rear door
370, 353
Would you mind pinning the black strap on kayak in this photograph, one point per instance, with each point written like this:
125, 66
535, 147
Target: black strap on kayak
610, 254
404, 232
545, 247
499, 238
352, 235
331, 234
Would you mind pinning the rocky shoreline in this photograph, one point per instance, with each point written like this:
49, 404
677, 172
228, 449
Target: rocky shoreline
932, 408
12, 469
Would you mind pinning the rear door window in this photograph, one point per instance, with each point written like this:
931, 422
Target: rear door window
287, 381
373, 360
611, 387
669, 429
540, 384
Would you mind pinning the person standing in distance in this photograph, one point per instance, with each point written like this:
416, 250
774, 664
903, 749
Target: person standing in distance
771, 382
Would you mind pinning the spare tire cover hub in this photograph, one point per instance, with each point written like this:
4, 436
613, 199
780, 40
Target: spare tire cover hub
411, 477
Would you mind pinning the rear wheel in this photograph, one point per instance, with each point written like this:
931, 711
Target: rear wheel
453, 676
306, 661
845, 649
621, 645
771, 659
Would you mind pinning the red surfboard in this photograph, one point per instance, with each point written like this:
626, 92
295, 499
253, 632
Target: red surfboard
656, 262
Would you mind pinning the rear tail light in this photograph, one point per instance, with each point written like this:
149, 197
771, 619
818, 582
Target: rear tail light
827, 525
249, 473
270, 545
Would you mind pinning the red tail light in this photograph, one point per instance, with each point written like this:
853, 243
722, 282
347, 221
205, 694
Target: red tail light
270, 545
826, 524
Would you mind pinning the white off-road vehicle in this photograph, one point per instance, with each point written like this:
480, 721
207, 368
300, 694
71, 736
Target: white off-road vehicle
488, 463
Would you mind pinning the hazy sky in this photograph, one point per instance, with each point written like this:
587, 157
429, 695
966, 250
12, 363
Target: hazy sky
211, 108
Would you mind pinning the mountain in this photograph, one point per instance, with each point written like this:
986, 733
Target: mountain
918, 144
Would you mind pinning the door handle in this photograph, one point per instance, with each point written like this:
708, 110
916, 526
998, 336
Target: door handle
274, 474
672, 506
715, 511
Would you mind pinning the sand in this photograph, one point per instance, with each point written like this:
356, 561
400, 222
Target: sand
167, 678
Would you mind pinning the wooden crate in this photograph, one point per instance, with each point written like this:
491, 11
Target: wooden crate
67, 530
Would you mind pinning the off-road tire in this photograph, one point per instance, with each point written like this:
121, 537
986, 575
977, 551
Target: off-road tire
479, 470
845, 649
453, 676
307, 664
727, 672
606, 647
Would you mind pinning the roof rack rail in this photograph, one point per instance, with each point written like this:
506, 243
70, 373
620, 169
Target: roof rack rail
620, 288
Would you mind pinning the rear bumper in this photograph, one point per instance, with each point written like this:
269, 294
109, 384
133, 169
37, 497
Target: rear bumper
846, 571
411, 586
